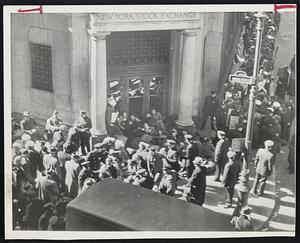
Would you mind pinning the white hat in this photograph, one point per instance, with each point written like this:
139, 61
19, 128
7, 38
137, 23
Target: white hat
221, 133
269, 143
29, 144
258, 102
270, 109
231, 154
198, 161
188, 136
276, 104
26, 137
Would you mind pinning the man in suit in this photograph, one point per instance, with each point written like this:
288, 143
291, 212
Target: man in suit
264, 161
230, 176
73, 140
221, 115
84, 123
221, 154
155, 166
52, 125
209, 109
197, 182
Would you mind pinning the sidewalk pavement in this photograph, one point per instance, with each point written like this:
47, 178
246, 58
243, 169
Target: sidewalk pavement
263, 207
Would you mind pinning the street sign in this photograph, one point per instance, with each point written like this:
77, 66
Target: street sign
241, 78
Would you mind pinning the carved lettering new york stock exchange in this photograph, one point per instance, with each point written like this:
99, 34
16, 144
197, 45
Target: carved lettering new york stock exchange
124, 17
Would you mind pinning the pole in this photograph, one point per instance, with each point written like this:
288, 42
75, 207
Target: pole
243, 186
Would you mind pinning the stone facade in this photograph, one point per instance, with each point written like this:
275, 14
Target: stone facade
78, 65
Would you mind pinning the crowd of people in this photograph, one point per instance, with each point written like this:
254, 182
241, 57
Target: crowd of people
52, 169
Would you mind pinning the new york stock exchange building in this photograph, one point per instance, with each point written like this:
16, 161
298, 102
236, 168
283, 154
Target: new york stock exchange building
163, 61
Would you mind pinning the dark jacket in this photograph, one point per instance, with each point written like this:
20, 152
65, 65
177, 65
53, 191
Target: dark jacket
221, 151
221, 119
198, 183
210, 105
73, 139
231, 173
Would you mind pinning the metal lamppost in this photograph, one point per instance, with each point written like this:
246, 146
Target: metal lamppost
243, 186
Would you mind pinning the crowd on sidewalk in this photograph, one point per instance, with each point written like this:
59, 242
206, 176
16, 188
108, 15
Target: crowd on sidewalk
149, 152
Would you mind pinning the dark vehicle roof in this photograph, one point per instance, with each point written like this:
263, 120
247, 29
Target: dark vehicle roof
130, 207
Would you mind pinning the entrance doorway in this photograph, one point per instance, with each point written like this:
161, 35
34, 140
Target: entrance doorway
138, 70
140, 94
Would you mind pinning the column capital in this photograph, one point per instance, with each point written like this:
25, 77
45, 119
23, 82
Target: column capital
189, 32
101, 35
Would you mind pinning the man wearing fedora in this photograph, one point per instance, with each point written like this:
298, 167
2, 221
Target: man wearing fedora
230, 177
221, 158
197, 181
264, 161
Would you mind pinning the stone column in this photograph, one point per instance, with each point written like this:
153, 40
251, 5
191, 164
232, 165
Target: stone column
98, 83
187, 79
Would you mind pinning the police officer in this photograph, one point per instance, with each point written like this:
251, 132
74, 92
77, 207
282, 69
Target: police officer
84, 124
264, 162
96, 158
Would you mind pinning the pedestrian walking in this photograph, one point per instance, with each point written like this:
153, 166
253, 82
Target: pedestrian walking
221, 158
230, 177
264, 161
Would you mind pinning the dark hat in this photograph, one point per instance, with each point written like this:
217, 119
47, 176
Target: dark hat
245, 210
81, 160
52, 149
82, 112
